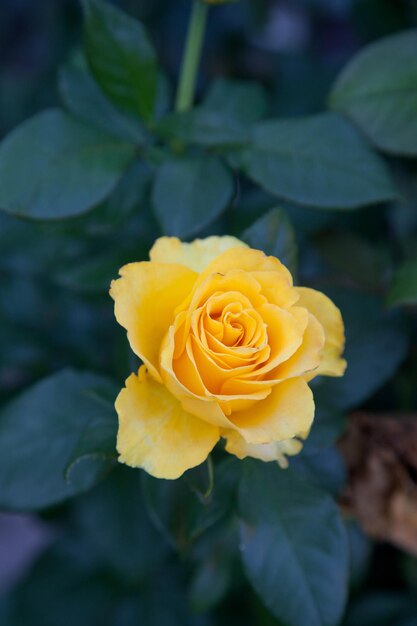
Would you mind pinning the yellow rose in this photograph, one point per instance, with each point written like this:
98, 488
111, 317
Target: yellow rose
228, 346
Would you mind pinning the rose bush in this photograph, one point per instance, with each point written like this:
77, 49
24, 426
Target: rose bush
229, 346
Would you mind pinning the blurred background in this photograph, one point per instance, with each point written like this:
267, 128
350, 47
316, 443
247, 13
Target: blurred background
54, 307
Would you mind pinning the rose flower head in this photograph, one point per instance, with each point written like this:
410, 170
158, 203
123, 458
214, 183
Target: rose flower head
229, 346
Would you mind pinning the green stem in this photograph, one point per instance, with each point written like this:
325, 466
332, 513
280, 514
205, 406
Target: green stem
192, 54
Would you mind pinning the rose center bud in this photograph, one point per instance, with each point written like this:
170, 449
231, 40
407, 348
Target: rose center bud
228, 337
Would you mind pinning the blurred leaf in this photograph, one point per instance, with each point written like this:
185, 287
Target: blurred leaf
273, 234
378, 90
189, 193
96, 445
62, 421
62, 589
67, 167
386, 608
403, 213
324, 468
293, 546
404, 286
210, 583
361, 551
349, 254
215, 555
121, 58
67, 586
238, 100
125, 541
376, 344
319, 161
90, 275
329, 424
179, 512
83, 98
129, 197
203, 127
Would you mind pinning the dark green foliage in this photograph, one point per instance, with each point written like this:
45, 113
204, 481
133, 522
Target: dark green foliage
274, 235
376, 345
320, 161
121, 58
230, 543
53, 166
293, 546
189, 193
378, 90
404, 286
64, 421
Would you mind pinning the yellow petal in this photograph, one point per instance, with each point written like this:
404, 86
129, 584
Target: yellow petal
286, 413
241, 283
205, 407
274, 451
273, 277
145, 298
195, 255
277, 287
308, 356
247, 260
330, 318
194, 396
155, 433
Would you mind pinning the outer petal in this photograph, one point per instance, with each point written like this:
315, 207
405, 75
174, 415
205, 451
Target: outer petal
275, 451
286, 413
273, 277
195, 255
155, 432
145, 298
330, 318
308, 356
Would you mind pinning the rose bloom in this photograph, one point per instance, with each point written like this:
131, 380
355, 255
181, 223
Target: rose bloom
228, 345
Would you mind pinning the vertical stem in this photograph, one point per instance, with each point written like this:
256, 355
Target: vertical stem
191, 57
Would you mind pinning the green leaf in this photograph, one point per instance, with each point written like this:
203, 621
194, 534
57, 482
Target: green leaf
180, 512
121, 58
203, 128
361, 549
319, 161
64, 421
376, 344
378, 90
324, 468
210, 583
189, 193
62, 588
83, 98
329, 424
126, 542
67, 586
404, 285
294, 546
273, 233
348, 253
223, 118
215, 556
129, 197
238, 100
90, 275
67, 167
